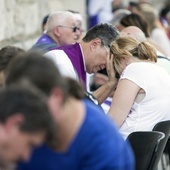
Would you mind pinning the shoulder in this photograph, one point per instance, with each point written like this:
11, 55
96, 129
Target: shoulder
59, 57
133, 68
106, 147
139, 67
56, 53
69, 47
101, 124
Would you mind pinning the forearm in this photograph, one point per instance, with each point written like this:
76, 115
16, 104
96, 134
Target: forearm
104, 91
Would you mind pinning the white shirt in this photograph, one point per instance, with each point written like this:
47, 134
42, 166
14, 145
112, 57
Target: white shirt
161, 38
63, 63
155, 106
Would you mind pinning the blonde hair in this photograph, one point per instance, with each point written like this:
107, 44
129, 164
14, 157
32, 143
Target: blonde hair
126, 47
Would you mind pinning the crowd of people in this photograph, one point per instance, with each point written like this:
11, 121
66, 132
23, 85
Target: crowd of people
75, 96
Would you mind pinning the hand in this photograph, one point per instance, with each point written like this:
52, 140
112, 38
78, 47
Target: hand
110, 67
111, 72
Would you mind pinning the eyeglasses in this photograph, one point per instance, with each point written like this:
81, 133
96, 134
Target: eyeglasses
74, 29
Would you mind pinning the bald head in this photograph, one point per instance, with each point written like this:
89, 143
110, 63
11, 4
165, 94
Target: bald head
135, 32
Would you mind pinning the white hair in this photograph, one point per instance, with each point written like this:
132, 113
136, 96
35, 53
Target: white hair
58, 18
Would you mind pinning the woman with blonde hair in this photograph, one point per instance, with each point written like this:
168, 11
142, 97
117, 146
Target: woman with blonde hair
142, 96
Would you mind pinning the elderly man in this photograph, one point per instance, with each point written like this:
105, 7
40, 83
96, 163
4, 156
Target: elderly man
61, 30
90, 55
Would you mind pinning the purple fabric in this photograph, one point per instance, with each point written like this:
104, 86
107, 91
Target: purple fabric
44, 43
107, 102
75, 55
44, 39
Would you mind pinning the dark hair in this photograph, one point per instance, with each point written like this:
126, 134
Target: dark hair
136, 20
42, 73
30, 104
74, 12
74, 88
44, 21
134, 4
106, 32
7, 53
164, 12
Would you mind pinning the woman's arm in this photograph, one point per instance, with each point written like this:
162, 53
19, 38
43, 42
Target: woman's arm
123, 100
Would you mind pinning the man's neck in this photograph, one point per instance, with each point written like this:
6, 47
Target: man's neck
52, 36
69, 124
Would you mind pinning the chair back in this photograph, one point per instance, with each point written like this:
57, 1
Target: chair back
144, 145
164, 127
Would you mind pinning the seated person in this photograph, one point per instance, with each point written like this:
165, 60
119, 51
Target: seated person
7, 53
85, 137
141, 98
61, 29
25, 123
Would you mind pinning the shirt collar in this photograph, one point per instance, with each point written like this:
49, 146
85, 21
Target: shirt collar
83, 57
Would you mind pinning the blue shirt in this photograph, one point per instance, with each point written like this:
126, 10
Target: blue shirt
97, 145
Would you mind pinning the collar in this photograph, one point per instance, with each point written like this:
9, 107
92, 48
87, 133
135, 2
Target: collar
83, 57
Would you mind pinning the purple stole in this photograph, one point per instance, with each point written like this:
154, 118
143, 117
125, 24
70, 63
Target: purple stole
75, 55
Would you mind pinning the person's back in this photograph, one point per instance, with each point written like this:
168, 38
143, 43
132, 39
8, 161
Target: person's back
155, 105
83, 132
96, 146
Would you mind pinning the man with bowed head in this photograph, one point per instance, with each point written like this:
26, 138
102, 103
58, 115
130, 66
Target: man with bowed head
25, 123
85, 137
89, 56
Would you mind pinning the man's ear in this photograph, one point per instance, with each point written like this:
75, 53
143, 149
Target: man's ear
55, 101
56, 31
95, 42
14, 121
57, 93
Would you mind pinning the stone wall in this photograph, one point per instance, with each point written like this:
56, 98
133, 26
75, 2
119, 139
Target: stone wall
21, 19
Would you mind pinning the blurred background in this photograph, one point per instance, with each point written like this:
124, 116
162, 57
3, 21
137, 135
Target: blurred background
21, 19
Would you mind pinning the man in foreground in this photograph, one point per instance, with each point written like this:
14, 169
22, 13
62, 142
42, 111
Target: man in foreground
25, 123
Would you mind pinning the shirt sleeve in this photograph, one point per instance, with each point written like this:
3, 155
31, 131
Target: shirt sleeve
134, 73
